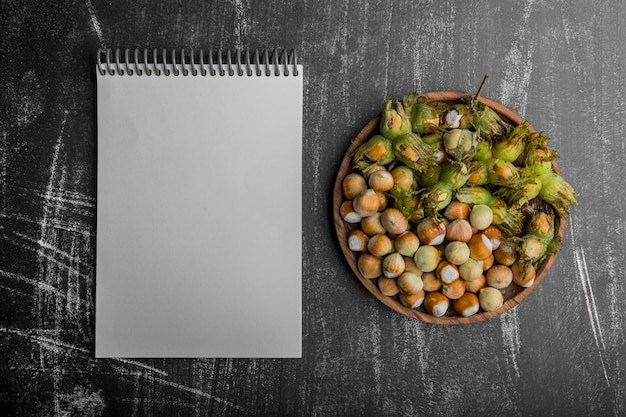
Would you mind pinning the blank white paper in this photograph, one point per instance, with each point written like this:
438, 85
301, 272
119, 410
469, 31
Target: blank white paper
199, 216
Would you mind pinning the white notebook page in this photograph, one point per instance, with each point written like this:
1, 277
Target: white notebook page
199, 216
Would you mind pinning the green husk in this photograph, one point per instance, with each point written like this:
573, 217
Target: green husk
528, 247
456, 174
394, 121
429, 176
434, 140
508, 219
488, 122
409, 202
460, 143
436, 197
509, 148
539, 155
556, 191
485, 120
362, 161
501, 172
517, 195
536, 225
549, 242
479, 173
483, 151
410, 149
474, 194
422, 116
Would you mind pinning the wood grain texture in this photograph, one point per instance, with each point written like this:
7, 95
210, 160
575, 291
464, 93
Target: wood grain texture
559, 64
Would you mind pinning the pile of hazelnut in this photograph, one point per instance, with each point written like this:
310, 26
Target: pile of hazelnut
457, 260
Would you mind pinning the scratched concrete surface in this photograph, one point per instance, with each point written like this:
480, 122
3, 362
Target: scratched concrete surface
561, 64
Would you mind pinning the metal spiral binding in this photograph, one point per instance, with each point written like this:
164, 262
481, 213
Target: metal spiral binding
185, 63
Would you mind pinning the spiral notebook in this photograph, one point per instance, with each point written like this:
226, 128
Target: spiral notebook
199, 204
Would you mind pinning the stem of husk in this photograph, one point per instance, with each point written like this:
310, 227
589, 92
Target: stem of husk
480, 89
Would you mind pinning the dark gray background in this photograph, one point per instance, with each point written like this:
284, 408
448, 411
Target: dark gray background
561, 352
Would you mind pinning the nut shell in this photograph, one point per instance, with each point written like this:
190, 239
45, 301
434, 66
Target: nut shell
366, 203
357, 241
499, 276
403, 177
523, 273
410, 283
369, 265
394, 221
459, 230
406, 243
388, 286
379, 245
490, 298
431, 231
352, 185
427, 258
409, 266
447, 272
466, 305
348, 213
505, 254
470, 270
480, 246
372, 225
436, 304
487, 262
457, 210
481, 216
393, 265
475, 285
381, 180
495, 235
454, 290
412, 300
431, 281
457, 252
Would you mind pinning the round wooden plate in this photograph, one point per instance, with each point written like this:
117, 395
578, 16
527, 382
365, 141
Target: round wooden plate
514, 294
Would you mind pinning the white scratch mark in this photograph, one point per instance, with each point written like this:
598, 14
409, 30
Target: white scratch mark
579, 69
317, 146
141, 365
51, 258
95, 23
46, 342
53, 168
4, 152
71, 198
388, 48
52, 223
50, 235
48, 197
518, 66
44, 286
59, 346
590, 301
241, 23
343, 58
56, 251
509, 323
198, 392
